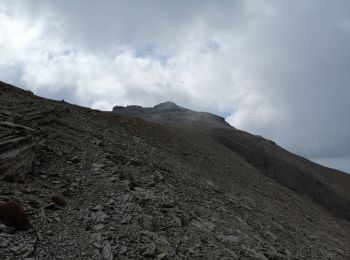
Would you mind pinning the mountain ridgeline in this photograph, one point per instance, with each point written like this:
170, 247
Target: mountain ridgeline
170, 113
158, 183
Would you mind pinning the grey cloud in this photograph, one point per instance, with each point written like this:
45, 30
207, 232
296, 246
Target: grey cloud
303, 53
97, 25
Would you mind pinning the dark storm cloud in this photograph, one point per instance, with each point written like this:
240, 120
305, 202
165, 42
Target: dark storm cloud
275, 68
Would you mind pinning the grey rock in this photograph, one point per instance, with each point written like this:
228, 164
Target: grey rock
17, 151
168, 204
123, 249
228, 238
146, 221
149, 250
97, 208
106, 252
75, 160
162, 256
99, 227
99, 217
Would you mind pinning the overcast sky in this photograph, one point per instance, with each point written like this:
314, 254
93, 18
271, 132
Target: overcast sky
278, 68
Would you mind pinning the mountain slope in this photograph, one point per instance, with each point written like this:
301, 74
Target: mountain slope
328, 187
136, 189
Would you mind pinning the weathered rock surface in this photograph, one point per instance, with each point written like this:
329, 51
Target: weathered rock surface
140, 190
17, 151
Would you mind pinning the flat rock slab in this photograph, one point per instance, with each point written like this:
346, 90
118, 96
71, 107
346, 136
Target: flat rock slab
17, 151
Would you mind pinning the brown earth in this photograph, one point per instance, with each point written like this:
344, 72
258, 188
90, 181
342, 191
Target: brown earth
135, 189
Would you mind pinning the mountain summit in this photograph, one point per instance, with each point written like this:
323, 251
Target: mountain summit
158, 183
168, 106
169, 112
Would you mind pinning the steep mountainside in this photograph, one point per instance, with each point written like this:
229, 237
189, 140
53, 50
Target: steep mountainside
325, 186
103, 185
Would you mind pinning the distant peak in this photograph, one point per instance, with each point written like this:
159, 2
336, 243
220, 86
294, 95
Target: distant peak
168, 106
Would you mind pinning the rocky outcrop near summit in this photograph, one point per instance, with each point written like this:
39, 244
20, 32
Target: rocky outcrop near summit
105, 185
171, 113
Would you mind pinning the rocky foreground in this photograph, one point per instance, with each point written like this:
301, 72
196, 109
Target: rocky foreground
103, 185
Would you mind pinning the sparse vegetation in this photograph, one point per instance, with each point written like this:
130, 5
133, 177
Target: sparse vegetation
12, 214
59, 200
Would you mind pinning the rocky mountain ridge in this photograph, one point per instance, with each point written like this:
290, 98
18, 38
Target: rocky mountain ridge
169, 112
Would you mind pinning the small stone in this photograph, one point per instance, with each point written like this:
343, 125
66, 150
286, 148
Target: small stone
29, 190
2, 227
51, 206
107, 252
162, 256
4, 243
178, 221
7, 191
126, 219
168, 204
113, 179
99, 227
123, 250
158, 177
110, 202
97, 245
17, 249
97, 236
96, 166
146, 221
100, 217
34, 203
242, 222
229, 238
149, 250
97, 208
75, 160
151, 184
75, 184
